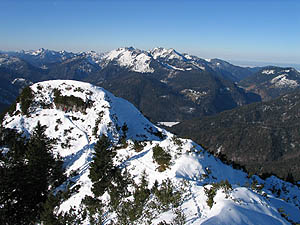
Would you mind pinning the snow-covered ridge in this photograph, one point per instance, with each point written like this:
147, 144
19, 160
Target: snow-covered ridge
192, 169
268, 72
283, 77
136, 60
166, 54
282, 81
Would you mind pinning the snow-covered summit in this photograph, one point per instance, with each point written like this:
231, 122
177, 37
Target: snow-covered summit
91, 111
167, 54
281, 77
135, 59
101, 102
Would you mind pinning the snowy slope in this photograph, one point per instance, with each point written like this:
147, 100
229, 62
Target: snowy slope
135, 59
282, 77
166, 53
192, 169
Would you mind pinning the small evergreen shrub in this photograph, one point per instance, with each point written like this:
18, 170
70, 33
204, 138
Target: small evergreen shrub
159, 134
94, 209
79, 89
25, 98
97, 122
70, 102
177, 141
162, 157
211, 193
138, 146
166, 195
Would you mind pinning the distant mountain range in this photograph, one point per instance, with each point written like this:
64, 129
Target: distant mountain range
136, 60
164, 84
176, 85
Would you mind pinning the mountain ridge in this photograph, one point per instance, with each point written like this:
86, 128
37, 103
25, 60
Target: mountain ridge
187, 83
45, 56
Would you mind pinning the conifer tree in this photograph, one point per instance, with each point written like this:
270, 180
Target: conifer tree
28, 172
43, 169
12, 172
102, 166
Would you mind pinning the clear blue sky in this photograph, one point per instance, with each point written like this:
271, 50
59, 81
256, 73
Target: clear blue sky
246, 30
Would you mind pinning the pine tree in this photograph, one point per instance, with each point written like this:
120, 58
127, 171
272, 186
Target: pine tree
101, 167
42, 168
12, 173
27, 175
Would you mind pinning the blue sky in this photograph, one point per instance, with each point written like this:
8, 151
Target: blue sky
256, 30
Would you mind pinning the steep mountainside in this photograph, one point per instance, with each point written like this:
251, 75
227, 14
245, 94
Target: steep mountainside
229, 71
263, 137
179, 86
181, 96
148, 176
11, 71
271, 82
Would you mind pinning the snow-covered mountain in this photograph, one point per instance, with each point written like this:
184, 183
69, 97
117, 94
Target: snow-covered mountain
209, 192
171, 60
134, 59
271, 82
137, 60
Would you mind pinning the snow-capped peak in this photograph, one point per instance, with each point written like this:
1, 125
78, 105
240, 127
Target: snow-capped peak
40, 52
135, 59
166, 54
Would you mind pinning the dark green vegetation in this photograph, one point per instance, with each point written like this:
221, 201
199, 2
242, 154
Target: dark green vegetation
262, 137
25, 99
102, 170
70, 102
212, 191
162, 157
146, 203
29, 172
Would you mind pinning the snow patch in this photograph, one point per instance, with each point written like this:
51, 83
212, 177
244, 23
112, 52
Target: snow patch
268, 72
282, 81
168, 124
